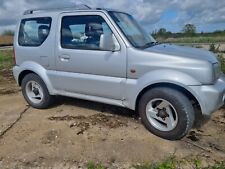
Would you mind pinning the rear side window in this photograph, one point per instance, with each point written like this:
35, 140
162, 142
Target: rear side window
34, 31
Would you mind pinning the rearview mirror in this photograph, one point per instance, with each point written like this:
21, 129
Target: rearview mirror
109, 42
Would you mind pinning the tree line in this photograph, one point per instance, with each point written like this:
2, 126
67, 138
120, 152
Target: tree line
8, 33
189, 30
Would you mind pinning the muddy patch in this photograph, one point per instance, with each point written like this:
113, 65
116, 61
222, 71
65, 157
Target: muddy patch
50, 137
84, 123
83, 126
7, 74
6, 91
7, 83
220, 120
197, 135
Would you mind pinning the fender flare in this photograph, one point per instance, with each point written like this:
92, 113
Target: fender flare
37, 69
177, 78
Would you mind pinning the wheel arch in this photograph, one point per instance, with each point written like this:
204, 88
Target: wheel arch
182, 89
31, 67
23, 74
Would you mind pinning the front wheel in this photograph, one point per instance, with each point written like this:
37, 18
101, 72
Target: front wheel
166, 112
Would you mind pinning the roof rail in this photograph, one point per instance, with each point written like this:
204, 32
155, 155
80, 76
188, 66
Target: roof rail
76, 7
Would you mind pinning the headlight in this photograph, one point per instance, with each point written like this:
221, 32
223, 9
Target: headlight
217, 70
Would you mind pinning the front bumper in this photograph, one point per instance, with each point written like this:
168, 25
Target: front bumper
210, 97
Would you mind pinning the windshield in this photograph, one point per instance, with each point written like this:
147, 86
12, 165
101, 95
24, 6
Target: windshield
132, 30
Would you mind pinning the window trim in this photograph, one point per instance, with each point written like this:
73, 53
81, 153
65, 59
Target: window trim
87, 49
30, 19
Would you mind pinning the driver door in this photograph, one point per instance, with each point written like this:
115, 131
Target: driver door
82, 66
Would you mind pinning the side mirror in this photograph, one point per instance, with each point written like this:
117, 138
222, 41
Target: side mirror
109, 42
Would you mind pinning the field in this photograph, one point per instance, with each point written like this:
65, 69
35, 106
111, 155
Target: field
83, 134
198, 39
6, 40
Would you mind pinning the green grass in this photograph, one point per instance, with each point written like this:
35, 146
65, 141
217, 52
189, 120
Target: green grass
173, 163
92, 165
6, 60
169, 163
217, 165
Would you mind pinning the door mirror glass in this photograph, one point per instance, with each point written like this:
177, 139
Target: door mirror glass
109, 42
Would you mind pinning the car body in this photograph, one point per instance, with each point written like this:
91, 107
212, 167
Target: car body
120, 73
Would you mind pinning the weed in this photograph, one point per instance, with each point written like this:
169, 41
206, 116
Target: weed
217, 165
222, 62
174, 163
197, 163
169, 163
92, 165
213, 48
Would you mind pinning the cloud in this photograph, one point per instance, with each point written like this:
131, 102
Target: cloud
148, 12
202, 11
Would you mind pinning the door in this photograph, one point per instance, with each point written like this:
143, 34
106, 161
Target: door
82, 66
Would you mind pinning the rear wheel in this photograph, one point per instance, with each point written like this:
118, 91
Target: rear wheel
166, 112
35, 92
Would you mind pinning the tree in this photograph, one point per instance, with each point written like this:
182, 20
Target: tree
8, 33
189, 29
161, 31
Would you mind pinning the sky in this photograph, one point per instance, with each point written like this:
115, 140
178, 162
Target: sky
207, 15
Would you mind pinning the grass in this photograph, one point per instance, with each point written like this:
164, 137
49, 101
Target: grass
217, 165
169, 163
6, 63
92, 165
6, 40
6, 60
173, 163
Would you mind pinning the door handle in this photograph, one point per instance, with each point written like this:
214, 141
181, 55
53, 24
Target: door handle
64, 58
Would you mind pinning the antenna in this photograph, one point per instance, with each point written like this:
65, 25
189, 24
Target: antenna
76, 7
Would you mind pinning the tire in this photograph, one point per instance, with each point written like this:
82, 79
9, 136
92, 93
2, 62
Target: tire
37, 97
175, 104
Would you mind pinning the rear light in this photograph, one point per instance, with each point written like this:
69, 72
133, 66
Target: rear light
14, 57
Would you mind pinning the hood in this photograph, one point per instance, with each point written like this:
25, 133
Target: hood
181, 51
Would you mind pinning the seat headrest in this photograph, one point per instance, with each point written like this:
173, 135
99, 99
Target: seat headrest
94, 29
43, 29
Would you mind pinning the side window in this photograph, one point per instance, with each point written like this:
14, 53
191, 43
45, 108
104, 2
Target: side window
34, 31
83, 32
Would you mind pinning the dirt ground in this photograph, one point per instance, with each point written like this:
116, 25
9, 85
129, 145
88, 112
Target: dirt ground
74, 132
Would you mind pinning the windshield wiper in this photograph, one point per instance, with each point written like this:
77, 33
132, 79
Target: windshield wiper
149, 44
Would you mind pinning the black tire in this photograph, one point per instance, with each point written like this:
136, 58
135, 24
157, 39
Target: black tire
47, 98
181, 104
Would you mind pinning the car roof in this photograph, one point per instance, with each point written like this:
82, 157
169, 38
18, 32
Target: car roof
66, 9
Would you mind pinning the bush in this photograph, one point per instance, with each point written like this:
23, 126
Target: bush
222, 62
213, 48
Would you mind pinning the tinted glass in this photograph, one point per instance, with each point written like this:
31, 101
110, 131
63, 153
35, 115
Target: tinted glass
34, 31
83, 32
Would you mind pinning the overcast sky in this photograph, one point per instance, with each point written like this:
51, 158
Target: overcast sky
207, 15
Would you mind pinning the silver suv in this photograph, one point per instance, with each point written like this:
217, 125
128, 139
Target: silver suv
105, 56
